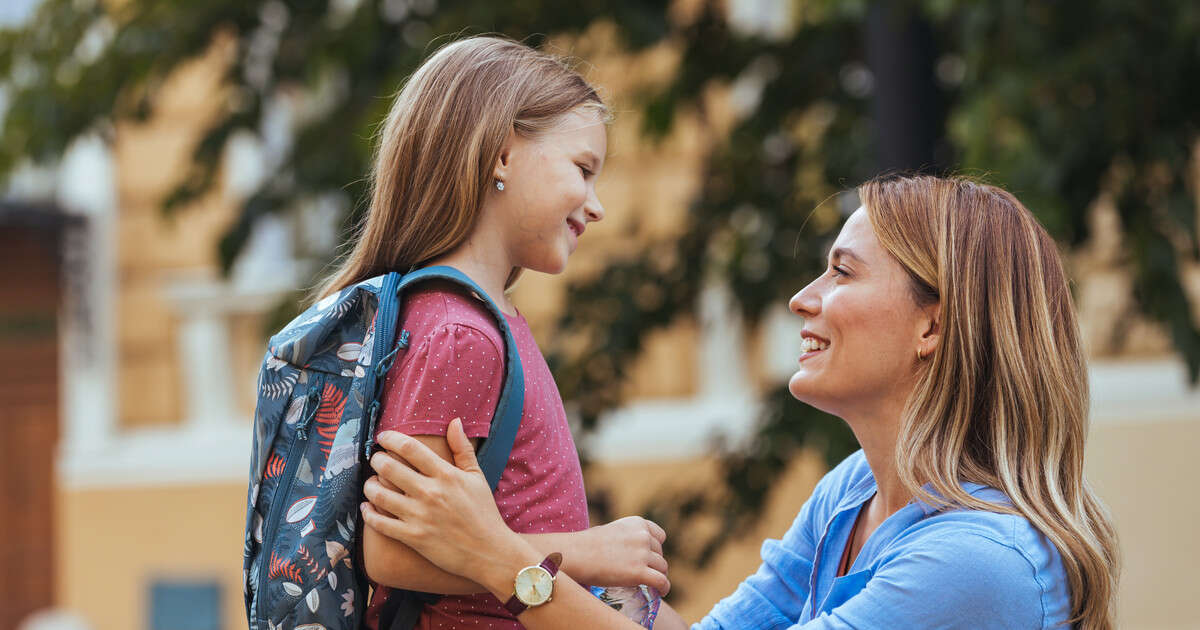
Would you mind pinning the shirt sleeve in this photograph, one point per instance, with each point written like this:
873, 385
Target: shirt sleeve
961, 581
454, 372
774, 596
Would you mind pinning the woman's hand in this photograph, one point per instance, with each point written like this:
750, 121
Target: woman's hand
625, 552
445, 513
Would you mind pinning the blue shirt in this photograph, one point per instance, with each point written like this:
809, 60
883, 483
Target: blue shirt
921, 568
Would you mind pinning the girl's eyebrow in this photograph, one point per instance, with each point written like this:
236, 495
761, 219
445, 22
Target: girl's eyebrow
592, 158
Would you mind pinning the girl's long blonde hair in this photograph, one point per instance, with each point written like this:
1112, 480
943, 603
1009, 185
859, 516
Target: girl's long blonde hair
440, 142
1003, 401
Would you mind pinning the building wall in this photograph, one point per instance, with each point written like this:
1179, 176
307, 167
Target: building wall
164, 496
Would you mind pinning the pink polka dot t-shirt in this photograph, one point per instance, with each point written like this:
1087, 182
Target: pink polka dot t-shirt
454, 368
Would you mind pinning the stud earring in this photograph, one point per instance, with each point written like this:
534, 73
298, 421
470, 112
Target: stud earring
499, 185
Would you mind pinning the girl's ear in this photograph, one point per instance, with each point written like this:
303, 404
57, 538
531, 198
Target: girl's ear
504, 160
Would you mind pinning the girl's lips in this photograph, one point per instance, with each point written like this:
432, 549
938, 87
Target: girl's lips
576, 227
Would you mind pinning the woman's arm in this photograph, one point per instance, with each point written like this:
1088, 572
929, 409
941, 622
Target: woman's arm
625, 552
448, 516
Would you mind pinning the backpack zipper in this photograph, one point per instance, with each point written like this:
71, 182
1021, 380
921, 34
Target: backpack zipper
285, 486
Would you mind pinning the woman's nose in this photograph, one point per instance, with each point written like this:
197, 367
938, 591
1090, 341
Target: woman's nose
806, 302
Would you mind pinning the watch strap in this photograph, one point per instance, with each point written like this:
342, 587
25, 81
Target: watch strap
514, 604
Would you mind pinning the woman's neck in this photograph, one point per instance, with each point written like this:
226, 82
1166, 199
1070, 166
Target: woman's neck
485, 263
877, 432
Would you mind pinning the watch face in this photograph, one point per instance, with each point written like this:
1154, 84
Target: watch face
534, 586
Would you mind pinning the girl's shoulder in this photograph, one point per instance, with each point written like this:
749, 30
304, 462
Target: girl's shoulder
434, 306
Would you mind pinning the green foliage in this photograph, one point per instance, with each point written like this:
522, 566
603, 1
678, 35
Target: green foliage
1055, 100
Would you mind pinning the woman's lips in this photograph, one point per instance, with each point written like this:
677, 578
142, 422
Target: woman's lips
812, 345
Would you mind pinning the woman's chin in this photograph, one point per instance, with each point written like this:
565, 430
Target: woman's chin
801, 387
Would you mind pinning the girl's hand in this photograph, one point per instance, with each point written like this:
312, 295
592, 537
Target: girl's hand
625, 552
446, 514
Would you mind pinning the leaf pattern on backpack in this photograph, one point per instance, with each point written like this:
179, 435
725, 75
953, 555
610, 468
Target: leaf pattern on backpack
275, 466
345, 306
310, 563
305, 475
333, 402
280, 388
344, 453
282, 568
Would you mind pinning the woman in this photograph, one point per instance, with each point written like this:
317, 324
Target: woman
943, 333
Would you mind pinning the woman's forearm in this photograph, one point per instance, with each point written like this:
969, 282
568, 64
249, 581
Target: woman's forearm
571, 607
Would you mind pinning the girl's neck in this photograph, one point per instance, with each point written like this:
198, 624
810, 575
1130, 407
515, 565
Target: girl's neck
489, 267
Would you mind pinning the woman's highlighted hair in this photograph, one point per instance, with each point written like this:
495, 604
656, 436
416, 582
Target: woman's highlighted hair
1003, 400
440, 142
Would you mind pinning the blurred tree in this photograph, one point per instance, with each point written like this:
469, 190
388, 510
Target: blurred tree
1056, 100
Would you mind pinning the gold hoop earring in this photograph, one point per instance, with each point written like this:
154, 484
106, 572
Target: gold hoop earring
920, 357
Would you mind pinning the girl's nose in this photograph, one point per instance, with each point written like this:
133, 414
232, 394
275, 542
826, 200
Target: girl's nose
593, 210
806, 302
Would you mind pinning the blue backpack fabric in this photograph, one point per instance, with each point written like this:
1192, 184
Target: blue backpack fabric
314, 427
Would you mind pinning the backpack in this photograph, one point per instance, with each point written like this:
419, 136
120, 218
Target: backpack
314, 428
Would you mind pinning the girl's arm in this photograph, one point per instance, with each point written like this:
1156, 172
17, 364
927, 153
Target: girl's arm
625, 552
448, 515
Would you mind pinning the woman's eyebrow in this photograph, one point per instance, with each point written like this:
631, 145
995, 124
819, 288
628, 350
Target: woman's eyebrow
845, 252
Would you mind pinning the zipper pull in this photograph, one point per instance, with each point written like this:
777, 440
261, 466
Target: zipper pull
302, 428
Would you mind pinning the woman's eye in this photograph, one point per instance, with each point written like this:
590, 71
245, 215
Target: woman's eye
839, 271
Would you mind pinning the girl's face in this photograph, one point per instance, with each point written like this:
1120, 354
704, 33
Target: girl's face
862, 328
549, 194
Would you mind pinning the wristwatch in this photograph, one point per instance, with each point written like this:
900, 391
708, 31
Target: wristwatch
534, 585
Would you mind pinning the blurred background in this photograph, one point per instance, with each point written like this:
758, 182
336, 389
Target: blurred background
176, 174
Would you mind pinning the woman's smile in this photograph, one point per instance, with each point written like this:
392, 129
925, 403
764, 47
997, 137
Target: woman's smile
812, 345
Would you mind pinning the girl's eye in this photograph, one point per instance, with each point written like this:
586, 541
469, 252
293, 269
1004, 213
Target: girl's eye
583, 169
839, 271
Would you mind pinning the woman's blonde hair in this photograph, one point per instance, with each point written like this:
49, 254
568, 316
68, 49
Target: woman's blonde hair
1003, 400
440, 142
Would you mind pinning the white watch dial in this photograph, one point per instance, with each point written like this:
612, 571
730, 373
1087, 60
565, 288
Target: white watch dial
534, 586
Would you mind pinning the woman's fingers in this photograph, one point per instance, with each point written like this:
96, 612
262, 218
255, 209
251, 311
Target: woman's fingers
388, 526
387, 500
401, 477
460, 447
414, 453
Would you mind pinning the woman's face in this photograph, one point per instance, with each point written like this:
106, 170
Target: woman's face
549, 193
862, 328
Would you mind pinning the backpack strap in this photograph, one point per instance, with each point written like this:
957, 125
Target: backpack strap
493, 454
402, 608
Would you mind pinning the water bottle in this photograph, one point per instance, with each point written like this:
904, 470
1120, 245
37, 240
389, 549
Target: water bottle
639, 603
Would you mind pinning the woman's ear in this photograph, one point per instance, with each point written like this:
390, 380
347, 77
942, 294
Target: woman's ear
931, 334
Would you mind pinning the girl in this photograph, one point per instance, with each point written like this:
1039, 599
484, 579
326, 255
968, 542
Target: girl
943, 333
488, 163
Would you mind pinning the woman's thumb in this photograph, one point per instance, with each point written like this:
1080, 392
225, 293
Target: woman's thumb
460, 447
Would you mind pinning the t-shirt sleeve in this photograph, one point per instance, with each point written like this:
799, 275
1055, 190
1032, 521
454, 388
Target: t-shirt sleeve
455, 372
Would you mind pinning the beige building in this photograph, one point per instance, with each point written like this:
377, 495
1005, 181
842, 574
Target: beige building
148, 430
